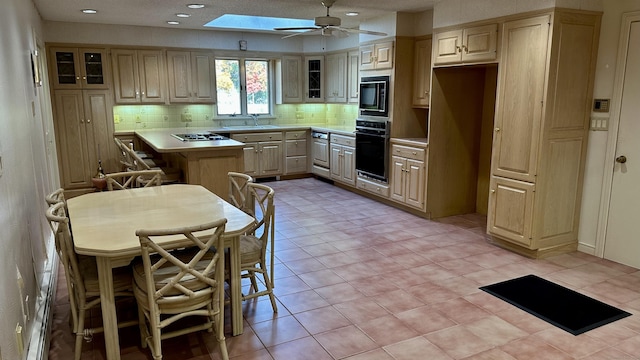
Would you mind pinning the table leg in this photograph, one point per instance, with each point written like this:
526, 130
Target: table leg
108, 304
235, 287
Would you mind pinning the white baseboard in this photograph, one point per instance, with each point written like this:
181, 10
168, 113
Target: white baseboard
41, 328
588, 249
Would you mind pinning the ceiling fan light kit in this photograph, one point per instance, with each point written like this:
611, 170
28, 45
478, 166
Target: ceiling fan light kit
327, 26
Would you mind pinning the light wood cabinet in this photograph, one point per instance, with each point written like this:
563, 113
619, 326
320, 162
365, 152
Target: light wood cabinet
84, 134
343, 159
191, 77
471, 44
353, 83
336, 65
262, 153
139, 76
79, 68
422, 73
314, 86
296, 152
376, 56
408, 175
289, 73
546, 76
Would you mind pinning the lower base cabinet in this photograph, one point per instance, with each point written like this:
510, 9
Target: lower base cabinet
343, 159
408, 175
262, 153
295, 147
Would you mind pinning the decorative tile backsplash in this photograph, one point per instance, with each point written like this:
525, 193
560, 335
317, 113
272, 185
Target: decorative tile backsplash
134, 117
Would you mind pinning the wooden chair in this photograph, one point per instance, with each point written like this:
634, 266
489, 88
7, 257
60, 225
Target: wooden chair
169, 174
81, 274
55, 197
238, 191
170, 286
253, 247
129, 179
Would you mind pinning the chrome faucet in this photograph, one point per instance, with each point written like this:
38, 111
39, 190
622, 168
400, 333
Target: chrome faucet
255, 119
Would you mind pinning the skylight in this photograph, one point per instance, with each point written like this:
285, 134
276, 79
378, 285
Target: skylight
246, 22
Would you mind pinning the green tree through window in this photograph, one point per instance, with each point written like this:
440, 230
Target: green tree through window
242, 87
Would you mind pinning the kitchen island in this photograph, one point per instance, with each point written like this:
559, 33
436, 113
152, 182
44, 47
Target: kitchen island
203, 162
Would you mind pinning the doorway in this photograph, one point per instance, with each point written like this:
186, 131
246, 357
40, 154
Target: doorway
621, 244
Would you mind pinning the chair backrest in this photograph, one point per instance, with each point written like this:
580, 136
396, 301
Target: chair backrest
129, 179
59, 221
263, 196
125, 157
238, 192
196, 270
55, 197
131, 160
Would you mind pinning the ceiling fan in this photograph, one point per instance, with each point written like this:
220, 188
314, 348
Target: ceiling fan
327, 26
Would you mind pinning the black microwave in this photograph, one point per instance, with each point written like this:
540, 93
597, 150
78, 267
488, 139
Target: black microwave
373, 96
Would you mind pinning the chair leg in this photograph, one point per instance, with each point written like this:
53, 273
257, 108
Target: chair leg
267, 283
156, 338
254, 283
79, 331
222, 343
142, 326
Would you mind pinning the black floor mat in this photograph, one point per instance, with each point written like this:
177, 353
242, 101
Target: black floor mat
555, 304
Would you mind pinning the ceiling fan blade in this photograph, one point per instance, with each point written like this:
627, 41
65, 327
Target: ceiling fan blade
312, 30
296, 28
368, 32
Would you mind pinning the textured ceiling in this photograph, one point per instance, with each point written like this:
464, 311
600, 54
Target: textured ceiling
158, 12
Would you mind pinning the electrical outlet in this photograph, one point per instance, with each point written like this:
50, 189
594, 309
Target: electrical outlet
116, 119
138, 119
186, 117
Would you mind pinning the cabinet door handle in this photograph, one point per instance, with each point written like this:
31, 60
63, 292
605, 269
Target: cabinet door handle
497, 129
88, 121
464, 47
458, 48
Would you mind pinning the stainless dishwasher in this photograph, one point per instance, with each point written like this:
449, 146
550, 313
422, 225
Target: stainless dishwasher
320, 153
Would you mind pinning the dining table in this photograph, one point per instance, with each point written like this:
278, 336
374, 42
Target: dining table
104, 225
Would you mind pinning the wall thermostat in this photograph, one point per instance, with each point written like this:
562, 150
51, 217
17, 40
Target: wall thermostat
601, 105
243, 44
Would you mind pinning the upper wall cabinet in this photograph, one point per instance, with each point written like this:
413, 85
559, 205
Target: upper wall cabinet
422, 73
376, 56
79, 68
314, 78
139, 76
337, 78
289, 74
471, 44
191, 77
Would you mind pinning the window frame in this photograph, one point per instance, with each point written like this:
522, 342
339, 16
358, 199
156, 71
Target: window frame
243, 87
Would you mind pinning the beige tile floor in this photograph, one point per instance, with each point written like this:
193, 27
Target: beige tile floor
360, 280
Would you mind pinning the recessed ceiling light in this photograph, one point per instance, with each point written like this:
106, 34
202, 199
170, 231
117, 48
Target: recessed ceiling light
183, 15
89, 11
173, 22
195, 6
352, 13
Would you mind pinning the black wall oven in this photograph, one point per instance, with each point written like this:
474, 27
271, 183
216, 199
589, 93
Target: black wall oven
372, 149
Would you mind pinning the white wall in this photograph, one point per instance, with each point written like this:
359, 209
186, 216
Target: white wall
25, 144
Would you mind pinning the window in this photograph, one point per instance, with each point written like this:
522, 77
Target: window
243, 87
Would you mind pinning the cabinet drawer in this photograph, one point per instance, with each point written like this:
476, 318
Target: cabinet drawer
295, 135
343, 140
296, 147
296, 164
408, 152
373, 187
256, 137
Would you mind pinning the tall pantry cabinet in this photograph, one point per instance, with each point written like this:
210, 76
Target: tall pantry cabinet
83, 115
545, 83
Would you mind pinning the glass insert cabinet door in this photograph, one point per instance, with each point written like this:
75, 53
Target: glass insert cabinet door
79, 68
314, 78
